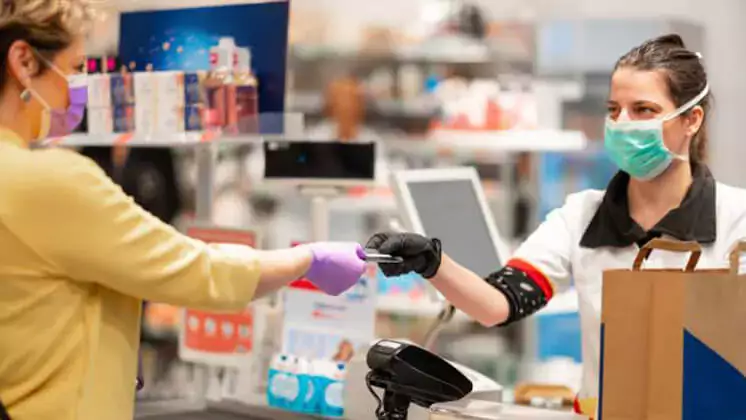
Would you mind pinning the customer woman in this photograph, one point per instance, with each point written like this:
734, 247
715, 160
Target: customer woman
655, 132
77, 256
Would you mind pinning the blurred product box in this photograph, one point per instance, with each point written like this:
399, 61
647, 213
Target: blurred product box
193, 118
145, 93
99, 91
100, 121
169, 117
124, 118
194, 98
160, 104
193, 87
122, 89
170, 88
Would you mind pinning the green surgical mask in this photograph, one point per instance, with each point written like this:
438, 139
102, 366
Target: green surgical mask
637, 147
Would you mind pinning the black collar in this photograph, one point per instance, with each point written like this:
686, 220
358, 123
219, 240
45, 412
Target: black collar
693, 220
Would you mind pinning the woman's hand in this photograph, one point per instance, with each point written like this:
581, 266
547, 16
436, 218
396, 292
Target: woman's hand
421, 254
335, 266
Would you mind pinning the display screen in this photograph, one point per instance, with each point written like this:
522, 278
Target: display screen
450, 211
319, 160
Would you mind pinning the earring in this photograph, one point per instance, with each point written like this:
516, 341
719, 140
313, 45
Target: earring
26, 95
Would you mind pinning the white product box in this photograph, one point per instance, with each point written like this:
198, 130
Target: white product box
169, 118
145, 102
100, 121
99, 91
160, 99
170, 87
144, 85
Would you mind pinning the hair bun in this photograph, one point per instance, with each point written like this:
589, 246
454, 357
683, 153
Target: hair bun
673, 40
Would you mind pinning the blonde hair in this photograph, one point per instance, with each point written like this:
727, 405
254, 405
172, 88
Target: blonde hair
45, 24
49, 26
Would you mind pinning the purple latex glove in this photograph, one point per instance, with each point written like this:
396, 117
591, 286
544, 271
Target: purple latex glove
336, 266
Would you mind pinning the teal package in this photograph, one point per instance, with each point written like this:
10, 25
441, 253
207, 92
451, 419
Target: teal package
283, 390
332, 402
310, 403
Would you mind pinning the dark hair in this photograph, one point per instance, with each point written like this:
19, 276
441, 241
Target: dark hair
685, 76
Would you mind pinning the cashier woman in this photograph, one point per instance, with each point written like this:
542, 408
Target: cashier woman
655, 132
77, 256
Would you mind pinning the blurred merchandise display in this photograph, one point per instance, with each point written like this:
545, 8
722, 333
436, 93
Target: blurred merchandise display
161, 320
481, 105
222, 339
561, 174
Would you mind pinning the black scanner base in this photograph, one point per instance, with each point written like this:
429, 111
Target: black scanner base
409, 374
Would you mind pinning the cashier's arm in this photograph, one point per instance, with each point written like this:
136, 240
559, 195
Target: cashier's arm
87, 229
525, 284
471, 293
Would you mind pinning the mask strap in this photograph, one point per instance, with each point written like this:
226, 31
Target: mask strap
694, 101
74, 80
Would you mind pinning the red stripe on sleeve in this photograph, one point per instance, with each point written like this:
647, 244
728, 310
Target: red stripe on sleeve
535, 275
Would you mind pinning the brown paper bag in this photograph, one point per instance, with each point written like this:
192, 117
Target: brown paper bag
673, 341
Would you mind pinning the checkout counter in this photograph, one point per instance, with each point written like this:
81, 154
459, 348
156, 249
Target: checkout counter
397, 381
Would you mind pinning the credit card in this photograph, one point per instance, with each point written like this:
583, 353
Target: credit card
374, 257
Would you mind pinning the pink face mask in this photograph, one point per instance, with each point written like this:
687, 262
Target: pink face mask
62, 122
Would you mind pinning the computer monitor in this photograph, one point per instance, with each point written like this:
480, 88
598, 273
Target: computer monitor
449, 204
317, 163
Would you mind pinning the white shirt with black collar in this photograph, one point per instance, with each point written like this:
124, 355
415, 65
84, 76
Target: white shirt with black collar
593, 232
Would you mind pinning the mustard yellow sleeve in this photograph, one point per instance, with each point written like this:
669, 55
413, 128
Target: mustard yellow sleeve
84, 226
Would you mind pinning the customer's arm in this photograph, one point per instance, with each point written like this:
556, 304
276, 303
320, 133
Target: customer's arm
85, 228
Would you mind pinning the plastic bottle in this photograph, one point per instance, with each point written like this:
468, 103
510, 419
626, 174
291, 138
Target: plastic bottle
247, 94
218, 84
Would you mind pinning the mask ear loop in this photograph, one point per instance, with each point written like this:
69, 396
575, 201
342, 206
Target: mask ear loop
686, 107
689, 105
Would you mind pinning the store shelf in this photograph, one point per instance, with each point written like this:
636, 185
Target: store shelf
510, 140
186, 139
449, 51
488, 146
311, 104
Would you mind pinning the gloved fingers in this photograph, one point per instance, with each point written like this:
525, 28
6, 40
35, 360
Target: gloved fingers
401, 245
419, 263
377, 240
393, 270
417, 244
360, 252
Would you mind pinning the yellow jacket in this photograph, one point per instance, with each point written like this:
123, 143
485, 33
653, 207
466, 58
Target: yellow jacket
77, 257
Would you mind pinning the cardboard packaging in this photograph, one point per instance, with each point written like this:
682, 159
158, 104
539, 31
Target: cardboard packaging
673, 340
145, 107
99, 91
122, 89
100, 121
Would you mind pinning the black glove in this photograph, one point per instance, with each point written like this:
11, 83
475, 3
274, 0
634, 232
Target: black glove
421, 255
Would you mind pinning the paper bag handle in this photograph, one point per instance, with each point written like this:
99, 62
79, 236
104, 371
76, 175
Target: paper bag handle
674, 246
735, 256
